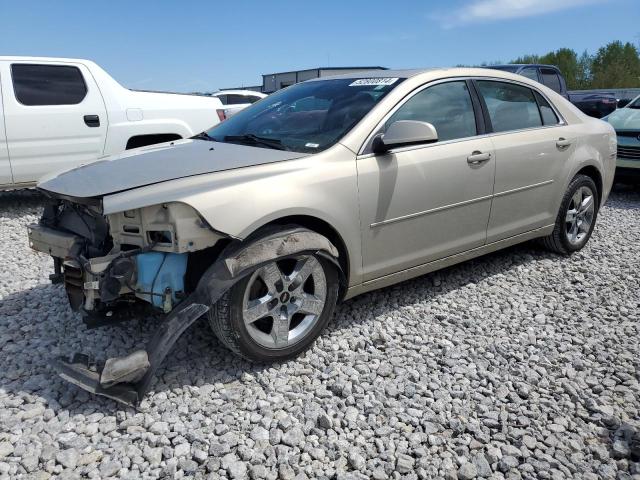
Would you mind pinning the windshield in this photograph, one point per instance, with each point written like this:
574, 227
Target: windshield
307, 117
635, 103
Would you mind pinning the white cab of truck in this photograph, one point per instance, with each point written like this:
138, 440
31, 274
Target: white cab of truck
59, 113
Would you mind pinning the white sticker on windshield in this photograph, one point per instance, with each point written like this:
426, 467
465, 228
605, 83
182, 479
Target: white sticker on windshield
373, 81
312, 145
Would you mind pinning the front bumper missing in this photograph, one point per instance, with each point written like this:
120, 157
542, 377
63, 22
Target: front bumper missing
127, 379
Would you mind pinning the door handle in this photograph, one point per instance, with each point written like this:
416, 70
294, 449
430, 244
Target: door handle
92, 120
476, 158
563, 143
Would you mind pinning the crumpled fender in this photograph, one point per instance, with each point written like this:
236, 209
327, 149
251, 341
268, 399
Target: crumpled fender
127, 378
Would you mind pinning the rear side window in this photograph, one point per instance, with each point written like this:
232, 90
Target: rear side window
551, 79
549, 117
511, 106
48, 84
222, 98
447, 106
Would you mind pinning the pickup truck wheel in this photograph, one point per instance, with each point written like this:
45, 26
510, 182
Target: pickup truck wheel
576, 218
278, 311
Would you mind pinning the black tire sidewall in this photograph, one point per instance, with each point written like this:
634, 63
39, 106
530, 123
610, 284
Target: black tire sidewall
256, 352
578, 182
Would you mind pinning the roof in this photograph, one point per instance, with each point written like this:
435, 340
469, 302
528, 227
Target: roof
43, 59
325, 68
236, 91
520, 65
386, 73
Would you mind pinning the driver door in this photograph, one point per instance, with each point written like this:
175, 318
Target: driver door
426, 202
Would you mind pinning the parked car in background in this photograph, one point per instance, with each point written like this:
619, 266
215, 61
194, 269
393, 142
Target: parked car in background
594, 104
235, 100
58, 113
322, 191
626, 122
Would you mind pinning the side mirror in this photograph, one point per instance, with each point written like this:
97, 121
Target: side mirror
403, 133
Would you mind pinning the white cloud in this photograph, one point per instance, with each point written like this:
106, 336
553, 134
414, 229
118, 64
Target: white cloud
491, 10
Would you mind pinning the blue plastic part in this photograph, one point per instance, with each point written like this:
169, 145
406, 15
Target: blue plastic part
158, 271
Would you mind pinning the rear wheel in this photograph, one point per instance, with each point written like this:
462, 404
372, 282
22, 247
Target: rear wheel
576, 218
278, 311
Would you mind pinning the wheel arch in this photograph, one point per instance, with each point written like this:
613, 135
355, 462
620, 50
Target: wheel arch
322, 227
592, 172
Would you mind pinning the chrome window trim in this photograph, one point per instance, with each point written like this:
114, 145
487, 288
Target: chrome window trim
364, 153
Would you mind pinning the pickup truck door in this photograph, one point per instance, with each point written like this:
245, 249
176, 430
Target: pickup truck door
5, 165
55, 117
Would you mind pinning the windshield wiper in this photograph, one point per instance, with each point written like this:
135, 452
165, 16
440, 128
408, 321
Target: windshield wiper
256, 140
204, 136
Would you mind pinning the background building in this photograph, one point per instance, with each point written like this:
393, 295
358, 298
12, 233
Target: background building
275, 81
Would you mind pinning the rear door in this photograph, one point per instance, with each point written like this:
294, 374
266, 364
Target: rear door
532, 148
5, 166
55, 117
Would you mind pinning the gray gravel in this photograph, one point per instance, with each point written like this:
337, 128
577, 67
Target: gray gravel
521, 364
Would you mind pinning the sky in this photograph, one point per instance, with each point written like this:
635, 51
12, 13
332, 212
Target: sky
188, 46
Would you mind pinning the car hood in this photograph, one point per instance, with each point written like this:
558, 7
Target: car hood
625, 119
158, 163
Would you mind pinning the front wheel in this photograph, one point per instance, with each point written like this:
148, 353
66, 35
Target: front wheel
278, 311
576, 218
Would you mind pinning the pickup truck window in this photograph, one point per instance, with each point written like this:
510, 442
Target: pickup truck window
551, 79
530, 72
36, 85
511, 107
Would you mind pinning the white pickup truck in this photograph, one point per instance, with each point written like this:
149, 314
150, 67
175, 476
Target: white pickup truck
58, 113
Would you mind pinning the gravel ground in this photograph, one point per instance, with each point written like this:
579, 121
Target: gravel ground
521, 364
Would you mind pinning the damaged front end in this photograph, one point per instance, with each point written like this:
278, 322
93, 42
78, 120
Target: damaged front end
112, 266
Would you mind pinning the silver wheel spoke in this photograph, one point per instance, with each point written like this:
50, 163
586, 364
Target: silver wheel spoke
270, 275
280, 329
301, 272
257, 309
311, 304
587, 204
577, 199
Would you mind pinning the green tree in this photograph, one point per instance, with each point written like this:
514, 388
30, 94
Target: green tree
616, 65
584, 71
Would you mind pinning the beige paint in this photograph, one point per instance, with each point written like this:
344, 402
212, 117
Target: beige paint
416, 209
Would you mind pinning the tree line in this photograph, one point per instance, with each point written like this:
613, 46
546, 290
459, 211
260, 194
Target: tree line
616, 65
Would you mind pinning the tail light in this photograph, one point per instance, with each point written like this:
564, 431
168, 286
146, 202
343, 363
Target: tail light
222, 114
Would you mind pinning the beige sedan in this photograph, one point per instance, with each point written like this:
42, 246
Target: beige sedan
320, 192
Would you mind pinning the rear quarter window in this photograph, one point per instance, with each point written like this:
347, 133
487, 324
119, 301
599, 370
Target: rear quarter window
37, 85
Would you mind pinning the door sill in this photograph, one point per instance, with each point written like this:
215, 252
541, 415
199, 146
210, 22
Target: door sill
429, 267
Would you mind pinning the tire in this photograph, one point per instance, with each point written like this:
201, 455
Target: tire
562, 240
252, 340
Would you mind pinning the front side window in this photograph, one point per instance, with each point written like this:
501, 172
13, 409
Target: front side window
308, 117
551, 79
36, 85
447, 106
510, 106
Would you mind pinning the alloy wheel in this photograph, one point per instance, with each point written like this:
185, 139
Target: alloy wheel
284, 300
580, 215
